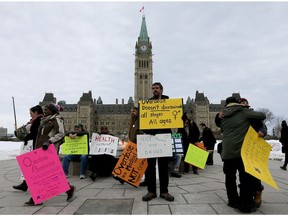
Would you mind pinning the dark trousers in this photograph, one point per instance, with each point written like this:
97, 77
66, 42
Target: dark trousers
150, 174
248, 182
286, 157
210, 156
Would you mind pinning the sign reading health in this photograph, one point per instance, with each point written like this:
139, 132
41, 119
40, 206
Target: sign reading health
153, 146
163, 113
43, 173
103, 144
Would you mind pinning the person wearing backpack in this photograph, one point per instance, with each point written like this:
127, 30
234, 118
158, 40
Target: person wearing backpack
51, 131
36, 114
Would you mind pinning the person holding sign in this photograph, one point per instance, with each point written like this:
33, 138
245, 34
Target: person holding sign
209, 142
150, 174
36, 114
78, 131
234, 125
51, 131
101, 164
190, 135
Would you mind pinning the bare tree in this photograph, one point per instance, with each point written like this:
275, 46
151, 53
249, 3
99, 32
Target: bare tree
277, 126
269, 121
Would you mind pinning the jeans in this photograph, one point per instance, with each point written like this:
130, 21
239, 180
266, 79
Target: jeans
68, 158
176, 162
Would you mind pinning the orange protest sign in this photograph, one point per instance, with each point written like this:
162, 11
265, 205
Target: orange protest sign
129, 167
200, 145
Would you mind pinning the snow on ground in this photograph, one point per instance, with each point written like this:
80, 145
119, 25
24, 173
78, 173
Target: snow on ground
9, 150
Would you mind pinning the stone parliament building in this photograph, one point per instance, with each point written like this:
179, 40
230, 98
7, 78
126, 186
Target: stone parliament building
93, 113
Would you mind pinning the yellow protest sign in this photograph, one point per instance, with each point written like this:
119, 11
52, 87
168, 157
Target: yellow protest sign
129, 167
255, 155
77, 146
196, 156
163, 113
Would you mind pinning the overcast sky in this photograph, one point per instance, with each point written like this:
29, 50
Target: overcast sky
71, 48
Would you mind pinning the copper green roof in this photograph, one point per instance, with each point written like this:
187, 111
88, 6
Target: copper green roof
143, 31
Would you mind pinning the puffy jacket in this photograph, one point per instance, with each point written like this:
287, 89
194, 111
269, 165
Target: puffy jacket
234, 126
51, 128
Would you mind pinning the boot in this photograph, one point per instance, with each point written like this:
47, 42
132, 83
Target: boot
257, 198
23, 186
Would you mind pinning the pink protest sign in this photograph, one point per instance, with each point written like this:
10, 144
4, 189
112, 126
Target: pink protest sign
43, 173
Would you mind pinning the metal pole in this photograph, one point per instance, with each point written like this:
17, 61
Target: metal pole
14, 113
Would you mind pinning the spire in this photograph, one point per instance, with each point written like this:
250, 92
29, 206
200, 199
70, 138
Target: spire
143, 32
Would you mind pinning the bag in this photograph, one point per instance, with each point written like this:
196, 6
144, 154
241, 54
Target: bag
21, 132
219, 148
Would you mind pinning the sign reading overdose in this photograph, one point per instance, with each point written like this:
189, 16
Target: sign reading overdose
103, 144
164, 113
129, 167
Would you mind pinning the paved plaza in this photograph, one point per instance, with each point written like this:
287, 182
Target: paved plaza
194, 195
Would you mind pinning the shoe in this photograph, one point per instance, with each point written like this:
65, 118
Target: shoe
82, 177
283, 167
67, 176
176, 175
233, 205
195, 172
31, 203
144, 183
248, 209
185, 173
93, 176
257, 199
167, 197
149, 196
70, 193
23, 186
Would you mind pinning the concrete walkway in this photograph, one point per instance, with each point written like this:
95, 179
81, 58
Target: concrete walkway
194, 195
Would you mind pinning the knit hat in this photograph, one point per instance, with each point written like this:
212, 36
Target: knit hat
243, 99
54, 108
79, 126
231, 100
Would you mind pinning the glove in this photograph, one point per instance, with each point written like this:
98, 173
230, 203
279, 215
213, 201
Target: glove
46, 145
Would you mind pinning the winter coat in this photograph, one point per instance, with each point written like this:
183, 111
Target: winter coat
284, 136
33, 130
234, 126
193, 136
134, 129
51, 129
208, 138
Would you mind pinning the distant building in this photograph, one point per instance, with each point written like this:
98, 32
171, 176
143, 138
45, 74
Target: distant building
3, 132
93, 113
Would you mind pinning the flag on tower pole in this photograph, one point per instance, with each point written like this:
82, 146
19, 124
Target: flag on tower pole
142, 9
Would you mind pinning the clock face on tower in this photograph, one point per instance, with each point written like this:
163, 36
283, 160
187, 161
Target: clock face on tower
143, 47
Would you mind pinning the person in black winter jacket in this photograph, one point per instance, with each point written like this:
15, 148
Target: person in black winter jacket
209, 142
284, 142
150, 173
190, 134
